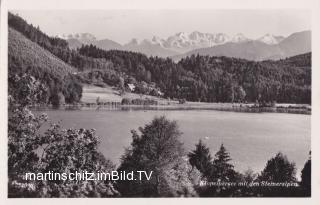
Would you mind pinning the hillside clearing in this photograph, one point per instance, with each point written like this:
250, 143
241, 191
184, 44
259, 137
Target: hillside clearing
90, 94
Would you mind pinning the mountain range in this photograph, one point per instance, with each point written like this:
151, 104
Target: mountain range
183, 44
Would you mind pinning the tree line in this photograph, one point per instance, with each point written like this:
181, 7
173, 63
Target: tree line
217, 79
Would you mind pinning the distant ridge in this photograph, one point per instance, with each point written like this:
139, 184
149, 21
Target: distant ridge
295, 44
184, 44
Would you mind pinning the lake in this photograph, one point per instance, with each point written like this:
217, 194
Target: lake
251, 138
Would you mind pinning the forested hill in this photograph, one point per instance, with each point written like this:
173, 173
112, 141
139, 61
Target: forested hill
23, 53
25, 56
195, 78
58, 47
217, 79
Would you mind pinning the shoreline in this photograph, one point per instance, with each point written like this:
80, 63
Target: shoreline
229, 107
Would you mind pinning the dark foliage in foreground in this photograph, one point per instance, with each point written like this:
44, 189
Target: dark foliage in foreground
279, 170
306, 178
56, 150
201, 159
278, 179
158, 149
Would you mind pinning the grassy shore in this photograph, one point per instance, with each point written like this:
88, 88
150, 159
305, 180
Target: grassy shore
110, 99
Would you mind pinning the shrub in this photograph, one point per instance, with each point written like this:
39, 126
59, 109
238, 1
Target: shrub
125, 101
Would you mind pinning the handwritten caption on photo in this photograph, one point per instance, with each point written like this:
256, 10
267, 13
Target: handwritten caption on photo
248, 184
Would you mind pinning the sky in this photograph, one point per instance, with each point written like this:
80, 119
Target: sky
123, 25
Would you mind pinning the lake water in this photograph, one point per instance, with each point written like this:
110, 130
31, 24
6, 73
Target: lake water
251, 138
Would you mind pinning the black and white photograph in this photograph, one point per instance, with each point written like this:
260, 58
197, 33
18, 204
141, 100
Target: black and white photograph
159, 103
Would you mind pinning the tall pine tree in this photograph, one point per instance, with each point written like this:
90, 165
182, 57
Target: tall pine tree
201, 159
222, 168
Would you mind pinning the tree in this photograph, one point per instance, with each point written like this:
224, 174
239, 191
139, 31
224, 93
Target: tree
278, 169
121, 85
72, 90
201, 159
240, 94
158, 149
306, 178
69, 151
222, 169
98, 100
25, 90
57, 99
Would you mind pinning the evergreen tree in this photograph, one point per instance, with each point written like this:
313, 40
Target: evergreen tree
201, 159
278, 170
222, 169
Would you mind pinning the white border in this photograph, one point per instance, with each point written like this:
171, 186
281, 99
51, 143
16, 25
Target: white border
312, 5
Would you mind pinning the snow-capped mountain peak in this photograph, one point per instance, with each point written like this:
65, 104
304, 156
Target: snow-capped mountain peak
183, 41
221, 38
82, 37
270, 39
196, 35
182, 35
158, 41
239, 38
